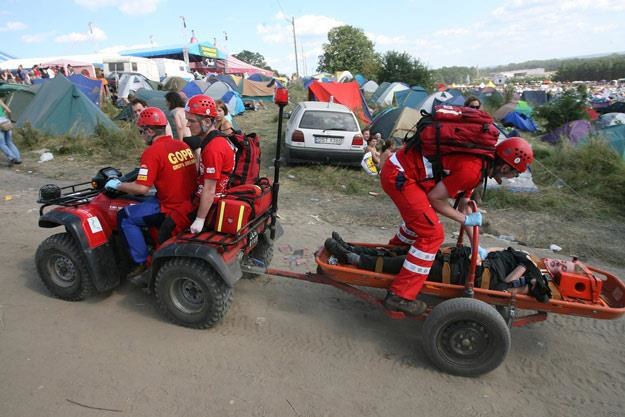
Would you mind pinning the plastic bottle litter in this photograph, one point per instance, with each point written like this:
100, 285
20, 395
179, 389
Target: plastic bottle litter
555, 248
45, 157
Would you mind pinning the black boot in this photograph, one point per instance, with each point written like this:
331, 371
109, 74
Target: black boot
138, 275
341, 242
335, 249
396, 303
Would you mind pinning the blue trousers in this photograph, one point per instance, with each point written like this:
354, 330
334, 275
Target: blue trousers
131, 221
8, 147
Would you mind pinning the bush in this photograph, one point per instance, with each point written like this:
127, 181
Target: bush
567, 108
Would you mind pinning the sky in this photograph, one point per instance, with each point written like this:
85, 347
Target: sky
439, 33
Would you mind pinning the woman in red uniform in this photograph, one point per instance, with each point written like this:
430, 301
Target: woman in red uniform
407, 177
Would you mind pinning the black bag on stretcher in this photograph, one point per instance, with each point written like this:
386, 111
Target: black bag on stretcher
454, 130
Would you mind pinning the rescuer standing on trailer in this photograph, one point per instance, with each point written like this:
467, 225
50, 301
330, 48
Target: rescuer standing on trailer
407, 179
169, 166
217, 155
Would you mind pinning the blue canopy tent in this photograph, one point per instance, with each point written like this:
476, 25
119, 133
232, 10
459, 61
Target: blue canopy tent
520, 121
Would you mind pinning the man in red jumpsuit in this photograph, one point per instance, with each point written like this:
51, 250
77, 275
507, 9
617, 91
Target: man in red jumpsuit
217, 155
407, 178
169, 166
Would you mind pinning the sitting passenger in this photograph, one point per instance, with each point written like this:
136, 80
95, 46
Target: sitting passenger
222, 122
217, 155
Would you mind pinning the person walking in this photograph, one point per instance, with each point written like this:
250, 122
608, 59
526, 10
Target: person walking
6, 136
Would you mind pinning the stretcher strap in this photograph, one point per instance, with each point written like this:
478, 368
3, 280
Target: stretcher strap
379, 264
485, 284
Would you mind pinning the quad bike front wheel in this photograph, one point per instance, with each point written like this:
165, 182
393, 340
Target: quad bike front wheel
63, 268
466, 337
190, 293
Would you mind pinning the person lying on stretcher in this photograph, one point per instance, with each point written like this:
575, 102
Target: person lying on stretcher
502, 270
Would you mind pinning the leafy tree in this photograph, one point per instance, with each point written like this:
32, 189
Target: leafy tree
455, 75
396, 66
252, 58
348, 48
568, 107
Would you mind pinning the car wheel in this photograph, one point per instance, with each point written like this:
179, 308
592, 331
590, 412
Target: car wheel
63, 268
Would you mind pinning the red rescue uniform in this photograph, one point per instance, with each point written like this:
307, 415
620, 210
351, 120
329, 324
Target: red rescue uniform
218, 158
169, 166
407, 178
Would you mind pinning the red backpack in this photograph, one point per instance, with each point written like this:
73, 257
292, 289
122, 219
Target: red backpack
247, 165
452, 130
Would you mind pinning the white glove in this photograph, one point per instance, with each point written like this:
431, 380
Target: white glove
197, 225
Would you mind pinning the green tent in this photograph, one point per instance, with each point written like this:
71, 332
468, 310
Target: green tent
60, 108
18, 97
615, 136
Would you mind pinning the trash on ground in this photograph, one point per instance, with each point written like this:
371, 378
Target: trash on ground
8, 197
45, 157
373, 193
555, 248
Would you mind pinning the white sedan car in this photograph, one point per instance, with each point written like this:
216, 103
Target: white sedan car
323, 132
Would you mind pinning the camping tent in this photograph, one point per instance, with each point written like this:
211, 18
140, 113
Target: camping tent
411, 98
611, 119
360, 79
378, 91
616, 107
615, 136
255, 90
60, 108
386, 98
17, 97
435, 99
370, 87
343, 76
217, 90
233, 101
520, 121
174, 83
90, 87
535, 97
519, 106
396, 123
575, 132
130, 82
347, 94
195, 87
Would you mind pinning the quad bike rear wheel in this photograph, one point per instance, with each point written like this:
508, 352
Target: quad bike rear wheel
260, 256
190, 293
466, 337
63, 268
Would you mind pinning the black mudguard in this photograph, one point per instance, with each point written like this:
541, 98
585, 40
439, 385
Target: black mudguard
101, 260
230, 273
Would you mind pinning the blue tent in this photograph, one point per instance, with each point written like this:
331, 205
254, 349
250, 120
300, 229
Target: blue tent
90, 87
195, 87
453, 101
520, 121
233, 101
259, 77
413, 97
615, 135
360, 79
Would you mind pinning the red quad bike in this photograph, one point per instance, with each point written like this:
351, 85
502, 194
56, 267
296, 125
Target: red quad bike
466, 330
192, 276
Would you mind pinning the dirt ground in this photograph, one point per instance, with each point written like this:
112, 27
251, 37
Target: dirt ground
285, 348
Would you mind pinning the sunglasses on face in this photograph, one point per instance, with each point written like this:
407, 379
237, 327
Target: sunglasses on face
474, 106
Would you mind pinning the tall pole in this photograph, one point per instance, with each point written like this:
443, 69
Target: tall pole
295, 46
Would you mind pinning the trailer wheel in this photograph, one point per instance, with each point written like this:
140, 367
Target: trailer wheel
262, 254
63, 268
190, 293
466, 337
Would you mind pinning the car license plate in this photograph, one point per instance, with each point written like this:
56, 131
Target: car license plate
328, 140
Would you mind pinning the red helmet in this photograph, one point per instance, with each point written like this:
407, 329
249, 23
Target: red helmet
516, 152
152, 116
201, 105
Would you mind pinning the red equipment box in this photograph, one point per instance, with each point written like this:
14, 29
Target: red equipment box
232, 215
574, 279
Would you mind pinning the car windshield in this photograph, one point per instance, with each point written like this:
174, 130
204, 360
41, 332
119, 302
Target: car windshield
328, 120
